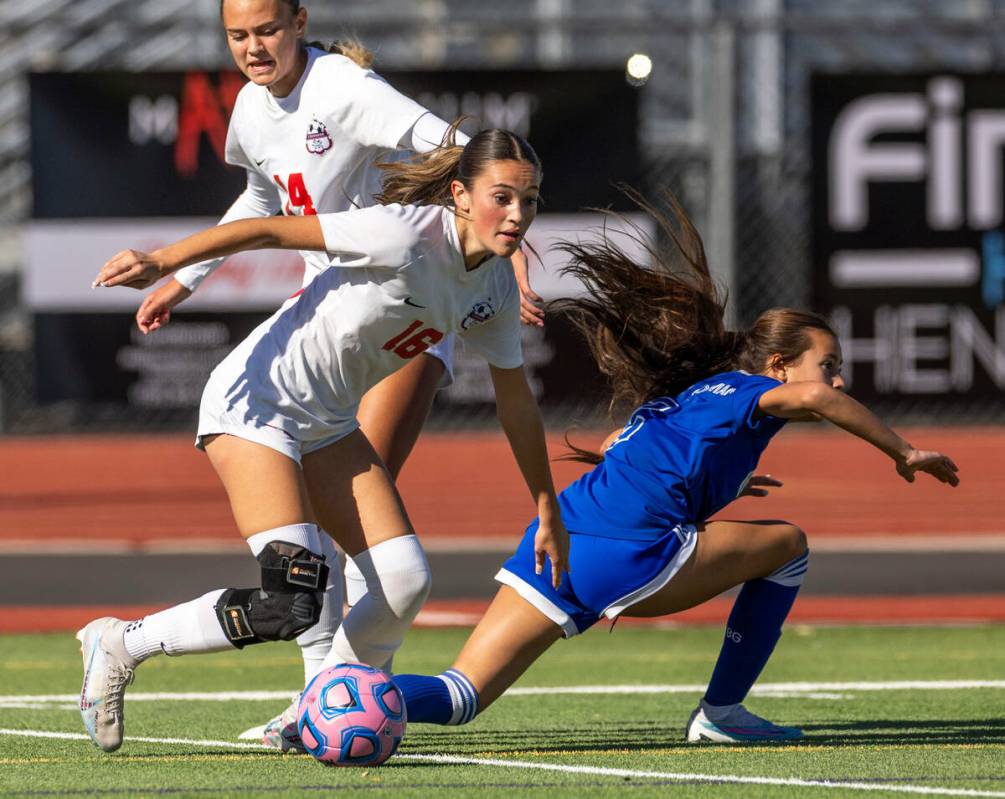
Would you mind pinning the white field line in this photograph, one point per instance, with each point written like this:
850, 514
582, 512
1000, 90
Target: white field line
79, 736
771, 689
718, 778
591, 770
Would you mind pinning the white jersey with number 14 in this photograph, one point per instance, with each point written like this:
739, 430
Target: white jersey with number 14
314, 150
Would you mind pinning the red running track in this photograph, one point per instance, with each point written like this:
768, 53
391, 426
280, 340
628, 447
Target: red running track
958, 609
142, 490
159, 488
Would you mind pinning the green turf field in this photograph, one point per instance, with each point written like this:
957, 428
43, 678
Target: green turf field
876, 740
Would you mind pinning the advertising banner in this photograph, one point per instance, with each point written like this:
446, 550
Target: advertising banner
118, 144
88, 349
908, 246
63, 256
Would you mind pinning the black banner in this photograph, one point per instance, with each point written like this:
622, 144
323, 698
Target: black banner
908, 246
116, 144
123, 144
103, 360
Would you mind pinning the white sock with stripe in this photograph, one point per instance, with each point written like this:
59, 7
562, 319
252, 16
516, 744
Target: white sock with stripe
463, 697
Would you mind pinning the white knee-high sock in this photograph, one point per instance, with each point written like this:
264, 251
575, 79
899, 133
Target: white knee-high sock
355, 590
355, 583
316, 642
398, 580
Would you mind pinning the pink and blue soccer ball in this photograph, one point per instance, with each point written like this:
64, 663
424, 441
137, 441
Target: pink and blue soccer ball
351, 715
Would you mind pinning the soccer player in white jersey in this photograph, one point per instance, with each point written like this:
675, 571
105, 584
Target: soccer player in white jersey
278, 415
308, 129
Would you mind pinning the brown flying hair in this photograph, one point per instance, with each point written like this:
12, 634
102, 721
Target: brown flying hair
349, 46
656, 330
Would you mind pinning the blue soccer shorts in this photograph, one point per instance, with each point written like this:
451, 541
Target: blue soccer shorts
606, 575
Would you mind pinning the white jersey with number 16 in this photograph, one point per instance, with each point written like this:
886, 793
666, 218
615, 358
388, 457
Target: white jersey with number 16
400, 287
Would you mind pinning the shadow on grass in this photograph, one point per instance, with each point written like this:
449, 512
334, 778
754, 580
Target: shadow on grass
902, 731
643, 738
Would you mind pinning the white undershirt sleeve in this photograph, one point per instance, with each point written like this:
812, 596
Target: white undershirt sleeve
427, 134
259, 198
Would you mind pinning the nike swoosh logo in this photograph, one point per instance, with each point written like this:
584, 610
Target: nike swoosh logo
408, 301
259, 163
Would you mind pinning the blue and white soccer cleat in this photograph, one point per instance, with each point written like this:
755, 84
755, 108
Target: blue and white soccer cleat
739, 726
279, 733
108, 670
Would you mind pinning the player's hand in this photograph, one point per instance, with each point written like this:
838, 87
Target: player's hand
940, 466
155, 310
758, 485
531, 312
131, 268
552, 541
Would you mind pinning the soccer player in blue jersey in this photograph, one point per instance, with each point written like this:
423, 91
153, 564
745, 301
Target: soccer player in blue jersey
707, 402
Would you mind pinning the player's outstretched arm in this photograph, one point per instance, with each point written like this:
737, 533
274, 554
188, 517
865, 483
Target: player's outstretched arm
521, 421
259, 199
800, 400
139, 270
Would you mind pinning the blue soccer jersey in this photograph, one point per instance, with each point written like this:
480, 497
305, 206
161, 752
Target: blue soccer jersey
678, 460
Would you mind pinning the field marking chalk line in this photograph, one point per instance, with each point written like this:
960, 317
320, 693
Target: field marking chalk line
556, 767
770, 689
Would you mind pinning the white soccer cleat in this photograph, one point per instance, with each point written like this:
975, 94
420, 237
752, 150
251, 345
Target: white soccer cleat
279, 733
108, 670
740, 726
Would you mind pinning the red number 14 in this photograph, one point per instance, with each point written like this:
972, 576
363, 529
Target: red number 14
296, 189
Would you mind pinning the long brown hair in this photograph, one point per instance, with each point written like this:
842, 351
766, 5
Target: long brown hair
425, 179
656, 330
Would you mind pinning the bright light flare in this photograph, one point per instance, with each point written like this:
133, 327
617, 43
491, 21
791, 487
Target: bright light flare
638, 69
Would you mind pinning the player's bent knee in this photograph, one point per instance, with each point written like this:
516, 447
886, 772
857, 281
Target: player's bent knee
795, 540
288, 603
397, 575
406, 593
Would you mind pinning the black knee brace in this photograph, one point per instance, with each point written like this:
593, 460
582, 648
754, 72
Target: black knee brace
289, 601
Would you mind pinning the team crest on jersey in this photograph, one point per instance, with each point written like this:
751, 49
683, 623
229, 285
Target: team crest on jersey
319, 140
480, 312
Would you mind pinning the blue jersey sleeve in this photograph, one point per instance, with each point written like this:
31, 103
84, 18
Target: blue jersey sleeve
746, 412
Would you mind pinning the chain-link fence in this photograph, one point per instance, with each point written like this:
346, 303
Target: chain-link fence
725, 122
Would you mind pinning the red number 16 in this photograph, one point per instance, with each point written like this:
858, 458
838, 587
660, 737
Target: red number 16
408, 343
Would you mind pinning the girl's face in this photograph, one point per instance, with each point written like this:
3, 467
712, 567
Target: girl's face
821, 363
264, 39
494, 214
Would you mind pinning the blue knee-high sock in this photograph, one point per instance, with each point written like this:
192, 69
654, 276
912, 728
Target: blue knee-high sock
753, 629
447, 698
